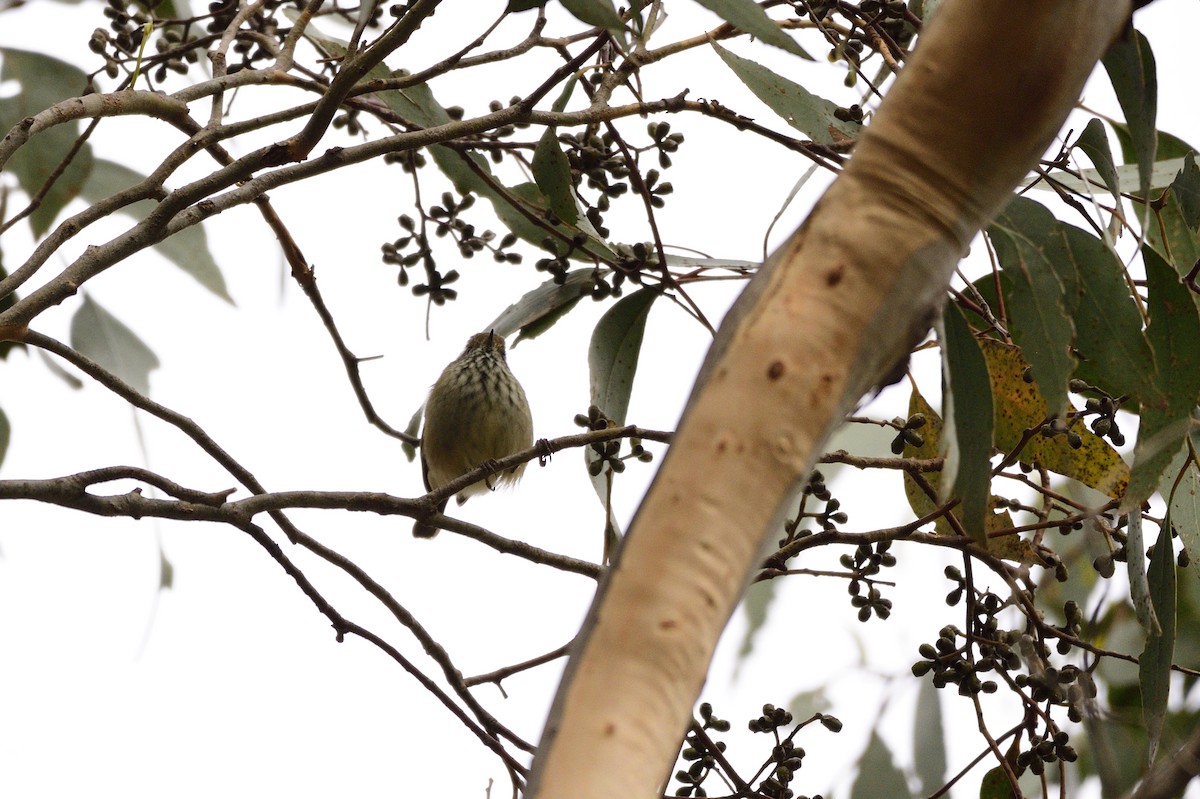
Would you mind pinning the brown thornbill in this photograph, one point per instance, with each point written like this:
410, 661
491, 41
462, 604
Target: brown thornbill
476, 413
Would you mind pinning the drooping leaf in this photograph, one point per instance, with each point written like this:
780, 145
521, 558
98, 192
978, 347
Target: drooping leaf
878, 774
613, 356
967, 400
1139, 583
800, 108
5, 435
748, 16
56, 369
598, 13
1170, 147
1162, 174
1108, 327
1021, 407
1009, 547
1094, 142
1183, 497
537, 310
614, 351
929, 739
100, 336
44, 81
1154, 666
995, 785
1131, 70
166, 570
1186, 188
755, 604
1108, 334
552, 168
1037, 313
1171, 236
187, 249
517, 207
1174, 333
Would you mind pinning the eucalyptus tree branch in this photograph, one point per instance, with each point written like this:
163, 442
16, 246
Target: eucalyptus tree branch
504, 673
354, 67
343, 627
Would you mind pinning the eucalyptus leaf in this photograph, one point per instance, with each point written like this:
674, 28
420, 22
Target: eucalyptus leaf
878, 774
613, 354
537, 310
1094, 142
187, 249
929, 739
1182, 492
1038, 316
1154, 666
598, 13
1131, 70
612, 360
5, 435
44, 81
967, 401
102, 337
1174, 333
806, 112
748, 16
1139, 583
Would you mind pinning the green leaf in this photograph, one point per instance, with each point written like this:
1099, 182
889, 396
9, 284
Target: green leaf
513, 205
1108, 327
187, 249
803, 110
614, 350
878, 775
552, 168
1130, 66
612, 360
1171, 237
417, 103
597, 13
43, 82
995, 784
1095, 299
5, 435
1094, 143
100, 336
1139, 583
516, 6
538, 310
748, 16
1186, 188
166, 570
755, 604
1184, 500
1154, 666
1039, 320
1170, 147
929, 739
1174, 333
967, 402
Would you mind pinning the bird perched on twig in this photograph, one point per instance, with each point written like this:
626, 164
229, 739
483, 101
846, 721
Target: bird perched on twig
476, 413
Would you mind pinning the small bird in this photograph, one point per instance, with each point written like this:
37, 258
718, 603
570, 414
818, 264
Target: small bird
476, 413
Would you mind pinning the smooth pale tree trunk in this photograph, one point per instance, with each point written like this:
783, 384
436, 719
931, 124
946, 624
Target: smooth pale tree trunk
835, 310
